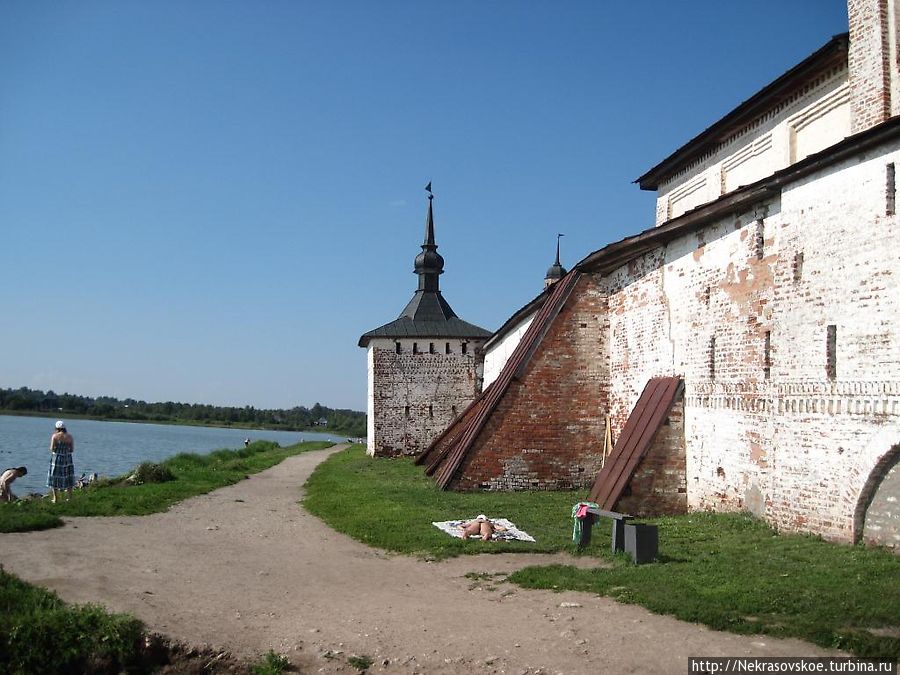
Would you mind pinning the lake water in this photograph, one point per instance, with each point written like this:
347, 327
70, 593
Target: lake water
113, 448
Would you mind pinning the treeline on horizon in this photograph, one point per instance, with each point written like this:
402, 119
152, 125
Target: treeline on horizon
25, 400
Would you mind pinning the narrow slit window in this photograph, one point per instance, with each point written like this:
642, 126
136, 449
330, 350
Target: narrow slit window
831, 352
712, 358
406, 411
890, 190
430, 410
447, 348
397, 347
465, 347
431, 348
767, 355
759, 239
798, 266
415, 347
453, 410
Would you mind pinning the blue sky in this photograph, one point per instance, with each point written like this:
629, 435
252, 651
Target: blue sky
211, 201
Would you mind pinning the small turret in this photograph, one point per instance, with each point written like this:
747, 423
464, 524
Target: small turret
555, 271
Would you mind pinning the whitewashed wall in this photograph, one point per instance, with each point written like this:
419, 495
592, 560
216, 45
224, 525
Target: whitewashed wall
806, 123
498, 353
794, 445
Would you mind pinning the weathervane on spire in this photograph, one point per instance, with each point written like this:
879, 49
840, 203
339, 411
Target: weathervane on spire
556, 271
428, 190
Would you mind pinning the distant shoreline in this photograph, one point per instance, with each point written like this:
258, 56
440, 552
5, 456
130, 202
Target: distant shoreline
175, 422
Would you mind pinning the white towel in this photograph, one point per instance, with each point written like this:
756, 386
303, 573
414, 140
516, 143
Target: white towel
509, 533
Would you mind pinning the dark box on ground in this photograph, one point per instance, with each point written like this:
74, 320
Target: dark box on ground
642, 542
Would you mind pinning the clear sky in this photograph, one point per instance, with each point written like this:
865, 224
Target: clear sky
210, 201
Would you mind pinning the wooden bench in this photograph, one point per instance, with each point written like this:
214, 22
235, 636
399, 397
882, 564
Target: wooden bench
618, 527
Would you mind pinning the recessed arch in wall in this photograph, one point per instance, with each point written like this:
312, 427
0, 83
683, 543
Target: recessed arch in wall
870, 472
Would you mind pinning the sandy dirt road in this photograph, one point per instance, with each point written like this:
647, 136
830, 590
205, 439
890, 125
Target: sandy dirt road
246, 568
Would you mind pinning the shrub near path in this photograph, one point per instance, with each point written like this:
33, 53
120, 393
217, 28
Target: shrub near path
728, 571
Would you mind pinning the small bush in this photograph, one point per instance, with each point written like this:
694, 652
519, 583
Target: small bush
361, 663
188, 459
271, 664
148, 472
256, 447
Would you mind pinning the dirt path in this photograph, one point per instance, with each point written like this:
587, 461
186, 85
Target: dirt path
246, 568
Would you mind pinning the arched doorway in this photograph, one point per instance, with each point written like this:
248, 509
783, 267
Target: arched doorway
876, 519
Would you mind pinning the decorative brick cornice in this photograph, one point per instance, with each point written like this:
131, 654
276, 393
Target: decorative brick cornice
854, 397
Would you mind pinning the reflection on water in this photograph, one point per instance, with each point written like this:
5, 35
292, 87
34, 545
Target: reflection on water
112, 448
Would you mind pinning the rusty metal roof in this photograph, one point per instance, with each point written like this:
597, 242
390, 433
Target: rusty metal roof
648, 414
447, 452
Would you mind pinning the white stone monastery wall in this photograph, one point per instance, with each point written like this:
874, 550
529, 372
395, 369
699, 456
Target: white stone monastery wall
742, 309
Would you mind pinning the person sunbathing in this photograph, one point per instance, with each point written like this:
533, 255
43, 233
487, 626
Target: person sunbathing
481, 526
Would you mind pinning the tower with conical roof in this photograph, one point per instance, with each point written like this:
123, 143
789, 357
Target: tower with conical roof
424, 367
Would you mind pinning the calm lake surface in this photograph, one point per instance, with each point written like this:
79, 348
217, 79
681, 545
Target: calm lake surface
113, 448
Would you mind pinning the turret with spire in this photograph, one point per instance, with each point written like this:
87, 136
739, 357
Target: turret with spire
425, 366
555, 271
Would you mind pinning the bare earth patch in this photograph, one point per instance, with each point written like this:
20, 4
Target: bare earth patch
246, 569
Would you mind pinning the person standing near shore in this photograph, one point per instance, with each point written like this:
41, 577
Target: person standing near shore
61, 475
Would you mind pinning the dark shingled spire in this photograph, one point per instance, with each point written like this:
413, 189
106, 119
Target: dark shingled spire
427, 314
429, 263
556, 271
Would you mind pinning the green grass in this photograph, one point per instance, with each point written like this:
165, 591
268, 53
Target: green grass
271, 664
391, 504
728, 571
193, 475
733, 572
41, 634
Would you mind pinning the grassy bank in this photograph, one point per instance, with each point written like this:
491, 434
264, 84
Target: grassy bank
190, 475
728, 571
41, 634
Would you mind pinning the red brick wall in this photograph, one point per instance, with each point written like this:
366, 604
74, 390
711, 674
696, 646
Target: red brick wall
547, 432
659, 484
869, 63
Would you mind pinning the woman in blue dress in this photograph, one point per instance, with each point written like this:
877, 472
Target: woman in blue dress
62, 469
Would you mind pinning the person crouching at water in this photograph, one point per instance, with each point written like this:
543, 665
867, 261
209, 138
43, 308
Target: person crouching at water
6, 480
62, 468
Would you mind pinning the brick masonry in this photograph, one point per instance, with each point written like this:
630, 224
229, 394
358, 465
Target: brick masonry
775, 435
659, 484
870, 62
414, 396
547, 432
772, 423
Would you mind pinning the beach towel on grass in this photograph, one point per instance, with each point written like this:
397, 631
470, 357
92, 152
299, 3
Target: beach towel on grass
510, 533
